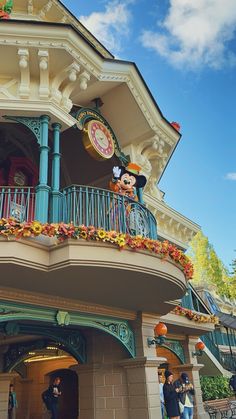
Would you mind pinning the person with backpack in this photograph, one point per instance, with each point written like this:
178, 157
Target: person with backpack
232, 384
51, 397
186, 396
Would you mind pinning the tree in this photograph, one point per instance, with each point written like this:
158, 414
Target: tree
208, 268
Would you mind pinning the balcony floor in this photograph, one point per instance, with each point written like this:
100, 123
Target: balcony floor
93, 272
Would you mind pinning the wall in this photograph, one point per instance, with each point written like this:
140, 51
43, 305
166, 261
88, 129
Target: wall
29, 390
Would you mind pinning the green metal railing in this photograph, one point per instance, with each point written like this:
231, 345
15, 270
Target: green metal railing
108, 210
18, 203
212, 347
83, 205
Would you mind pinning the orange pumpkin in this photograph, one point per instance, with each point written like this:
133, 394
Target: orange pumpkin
160, 329
200, 346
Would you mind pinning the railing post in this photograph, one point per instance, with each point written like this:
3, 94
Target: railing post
56, 194
42, 190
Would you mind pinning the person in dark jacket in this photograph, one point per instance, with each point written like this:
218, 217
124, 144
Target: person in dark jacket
186, 395
54, 394
171, 397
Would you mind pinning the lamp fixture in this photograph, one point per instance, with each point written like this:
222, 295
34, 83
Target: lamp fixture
200, 346
160, 332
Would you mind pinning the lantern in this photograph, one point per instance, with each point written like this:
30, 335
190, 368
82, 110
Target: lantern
200, 346
160, 329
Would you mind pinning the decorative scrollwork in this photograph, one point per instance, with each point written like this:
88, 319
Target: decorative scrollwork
176, 347
33, 123
121, 331
137, 221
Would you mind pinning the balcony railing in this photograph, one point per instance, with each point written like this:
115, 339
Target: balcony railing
105, 209
17, 202
84, 205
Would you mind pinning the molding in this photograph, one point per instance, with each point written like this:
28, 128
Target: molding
15, 315
105, 70
142, 362
42, 300
171, 225
31, 108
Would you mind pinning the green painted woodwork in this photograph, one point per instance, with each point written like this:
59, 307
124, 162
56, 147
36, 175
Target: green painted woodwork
86, 114
176, 347
68, 340
14, 312
39, 127
33, 123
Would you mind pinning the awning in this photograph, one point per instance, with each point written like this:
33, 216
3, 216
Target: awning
227, 320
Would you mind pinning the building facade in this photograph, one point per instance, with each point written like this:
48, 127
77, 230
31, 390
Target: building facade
86, 272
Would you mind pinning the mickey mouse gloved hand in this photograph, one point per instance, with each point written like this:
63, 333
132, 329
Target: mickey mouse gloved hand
116, 172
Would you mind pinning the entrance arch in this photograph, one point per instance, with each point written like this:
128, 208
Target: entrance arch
172, 363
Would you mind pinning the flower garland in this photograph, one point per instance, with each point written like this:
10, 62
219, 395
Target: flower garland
11, 227
6, 9
191, 315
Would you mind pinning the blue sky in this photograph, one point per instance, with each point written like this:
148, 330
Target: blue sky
186, 52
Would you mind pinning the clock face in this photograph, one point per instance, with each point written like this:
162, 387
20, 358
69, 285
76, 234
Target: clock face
98, 140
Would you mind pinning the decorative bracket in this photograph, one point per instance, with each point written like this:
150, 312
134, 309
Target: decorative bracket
43, 57
33, 123
24, 88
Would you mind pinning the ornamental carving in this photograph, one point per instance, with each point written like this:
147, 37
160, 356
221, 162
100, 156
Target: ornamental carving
176, 347
122, 331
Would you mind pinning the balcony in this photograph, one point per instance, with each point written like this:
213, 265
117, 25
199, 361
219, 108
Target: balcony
89, 270
83, 205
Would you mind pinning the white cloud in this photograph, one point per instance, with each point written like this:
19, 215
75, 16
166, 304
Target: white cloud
195, 33
110, 26
231, 176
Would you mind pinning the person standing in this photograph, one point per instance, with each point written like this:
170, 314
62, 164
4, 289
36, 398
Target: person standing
54, 394
186, 395
171, 397
12, 403
161, 395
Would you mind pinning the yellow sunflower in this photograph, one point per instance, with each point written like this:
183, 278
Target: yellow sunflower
83, 235
121, 241
101, 234
36, 228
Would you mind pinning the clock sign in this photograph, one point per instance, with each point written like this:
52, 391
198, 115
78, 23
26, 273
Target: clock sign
98, 140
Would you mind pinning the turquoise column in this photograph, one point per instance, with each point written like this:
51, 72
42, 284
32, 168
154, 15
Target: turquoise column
140, 195
55, 210
42, 190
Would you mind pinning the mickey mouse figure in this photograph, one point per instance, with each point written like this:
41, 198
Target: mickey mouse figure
126, 180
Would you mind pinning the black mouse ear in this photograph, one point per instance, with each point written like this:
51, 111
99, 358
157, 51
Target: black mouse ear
122, 168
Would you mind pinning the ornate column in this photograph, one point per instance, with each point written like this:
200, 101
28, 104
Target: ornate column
5, 381
142, 372
42, 190
86, 374
56, 156
143, 387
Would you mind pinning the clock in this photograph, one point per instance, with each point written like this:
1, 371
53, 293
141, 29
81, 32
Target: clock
98, 140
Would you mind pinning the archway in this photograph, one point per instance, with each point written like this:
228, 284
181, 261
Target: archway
68, 403
172, 363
